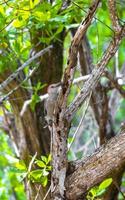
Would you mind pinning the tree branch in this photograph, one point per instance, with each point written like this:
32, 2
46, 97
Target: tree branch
16, 73
104, 163
114, 83
60, 128
95, 76
73, 51
113, 16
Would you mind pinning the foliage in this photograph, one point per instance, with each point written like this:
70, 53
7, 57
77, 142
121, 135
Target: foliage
40, 172
20, 21
99, 190
9, 180
35, 97
41, 175
13, 171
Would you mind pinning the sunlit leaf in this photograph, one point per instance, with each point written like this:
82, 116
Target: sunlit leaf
40, 16
105, 184
18, 23
44, 158
2, 10
49, 158
21, 165
40, 163
44, 181
36, 174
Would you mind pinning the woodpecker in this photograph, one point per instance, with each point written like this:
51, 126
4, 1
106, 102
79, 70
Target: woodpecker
50, 103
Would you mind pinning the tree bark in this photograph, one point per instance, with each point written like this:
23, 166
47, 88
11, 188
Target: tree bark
107, 161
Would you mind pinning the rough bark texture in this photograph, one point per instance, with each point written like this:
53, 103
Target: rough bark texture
105, 162
49, 71
61, 124
27, 139
32, 131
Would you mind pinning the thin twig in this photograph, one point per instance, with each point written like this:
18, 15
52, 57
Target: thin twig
30, 166
27, 102
81, 121
93, 17
95, 75
85, 147
15, 74
4, 2
6, 25
37, 193
45, 96
31, 162
6, 97
81, 78
118, 188
47, 193
115, 83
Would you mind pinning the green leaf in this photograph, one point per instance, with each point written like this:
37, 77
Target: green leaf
23, 175
44, 181
41, 16
105, 184
49, 158
99, 193
94, 191
21, 165
49, 168
18, 23
70, 139
35, 99
44, 158
12, 159
40, 163
2, 10
123, 87
104, 6
36, 174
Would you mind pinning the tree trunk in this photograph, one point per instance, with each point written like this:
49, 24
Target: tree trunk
32, 131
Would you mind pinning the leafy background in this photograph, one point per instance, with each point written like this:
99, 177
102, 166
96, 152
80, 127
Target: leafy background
19, 21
